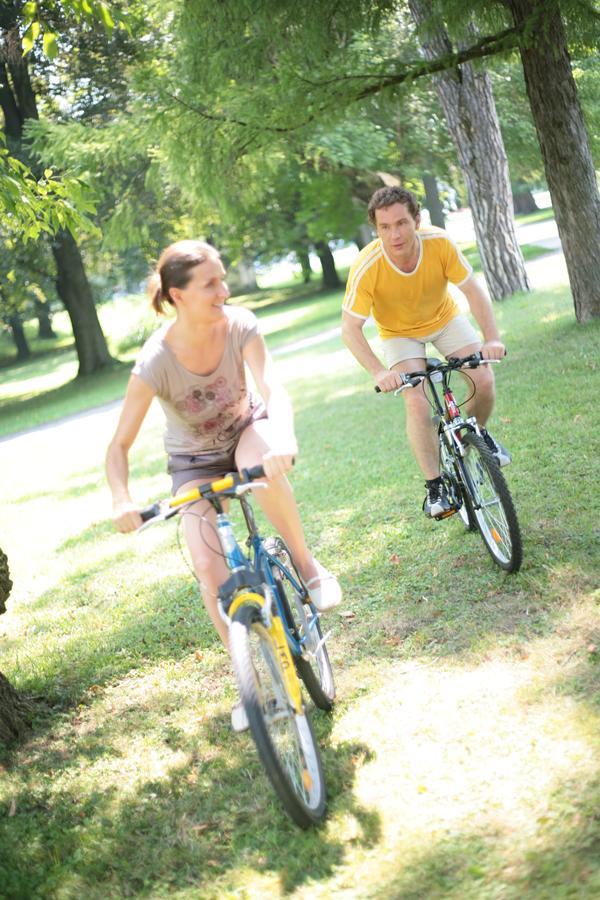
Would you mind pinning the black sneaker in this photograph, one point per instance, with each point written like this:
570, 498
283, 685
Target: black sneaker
499, 451
436, 504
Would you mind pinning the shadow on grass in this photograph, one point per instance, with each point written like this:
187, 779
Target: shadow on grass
105, 635
212, 818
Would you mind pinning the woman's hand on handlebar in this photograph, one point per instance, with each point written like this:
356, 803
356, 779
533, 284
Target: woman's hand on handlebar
493, 350
126, 516
388, 380
279, 460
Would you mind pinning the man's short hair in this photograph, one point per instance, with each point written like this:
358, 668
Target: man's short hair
387, 196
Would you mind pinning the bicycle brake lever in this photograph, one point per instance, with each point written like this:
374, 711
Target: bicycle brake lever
249, 486
165, 512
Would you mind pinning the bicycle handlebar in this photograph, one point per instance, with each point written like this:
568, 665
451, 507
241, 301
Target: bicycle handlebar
412, 379
226, 485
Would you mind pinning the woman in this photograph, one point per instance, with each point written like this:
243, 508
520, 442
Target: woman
195, 366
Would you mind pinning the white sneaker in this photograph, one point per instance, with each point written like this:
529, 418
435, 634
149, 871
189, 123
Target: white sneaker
239, 719
324, 590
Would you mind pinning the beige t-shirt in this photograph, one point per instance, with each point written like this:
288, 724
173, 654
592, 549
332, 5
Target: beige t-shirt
205, 414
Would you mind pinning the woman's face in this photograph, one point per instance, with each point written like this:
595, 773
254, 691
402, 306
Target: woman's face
206, 292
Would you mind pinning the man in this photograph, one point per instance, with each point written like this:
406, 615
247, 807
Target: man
401, 279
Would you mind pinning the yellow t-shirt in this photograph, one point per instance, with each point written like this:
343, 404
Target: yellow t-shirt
407, 304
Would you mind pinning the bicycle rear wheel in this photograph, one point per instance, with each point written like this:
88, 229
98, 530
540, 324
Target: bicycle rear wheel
492, 504
284, 738
313, 666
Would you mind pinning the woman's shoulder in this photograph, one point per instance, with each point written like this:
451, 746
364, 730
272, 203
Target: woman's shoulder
155, 345
241, 319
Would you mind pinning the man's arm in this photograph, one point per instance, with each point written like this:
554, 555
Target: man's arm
357, 344
481, 307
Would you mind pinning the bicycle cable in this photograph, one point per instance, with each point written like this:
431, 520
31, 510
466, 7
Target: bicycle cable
459, 405
203, 520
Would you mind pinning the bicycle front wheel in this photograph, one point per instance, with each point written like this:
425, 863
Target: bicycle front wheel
284, 738
313, 665
492, 504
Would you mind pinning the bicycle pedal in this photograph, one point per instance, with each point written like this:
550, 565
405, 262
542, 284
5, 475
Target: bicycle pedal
446, 514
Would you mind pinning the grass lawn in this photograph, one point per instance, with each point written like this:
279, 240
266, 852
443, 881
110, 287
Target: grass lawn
462, 756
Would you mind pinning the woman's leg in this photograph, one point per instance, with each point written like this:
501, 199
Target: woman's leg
277, 501
199, 523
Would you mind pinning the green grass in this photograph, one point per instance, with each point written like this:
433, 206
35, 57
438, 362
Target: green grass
529, 251
461, 759
541, 215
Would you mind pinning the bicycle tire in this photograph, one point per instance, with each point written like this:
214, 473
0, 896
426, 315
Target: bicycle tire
492, 504
289, 754
306, 627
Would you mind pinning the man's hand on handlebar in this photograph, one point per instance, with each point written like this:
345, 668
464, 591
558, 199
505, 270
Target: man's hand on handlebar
388, 380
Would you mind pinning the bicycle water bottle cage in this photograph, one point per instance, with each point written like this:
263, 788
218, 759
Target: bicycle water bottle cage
244, 579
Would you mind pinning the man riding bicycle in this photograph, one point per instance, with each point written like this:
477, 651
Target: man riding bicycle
401, 279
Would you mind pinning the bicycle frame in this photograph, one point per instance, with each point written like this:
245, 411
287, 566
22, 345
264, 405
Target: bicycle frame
448, 416
260, 561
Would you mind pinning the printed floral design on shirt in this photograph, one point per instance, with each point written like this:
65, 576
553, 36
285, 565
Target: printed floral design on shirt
226, 412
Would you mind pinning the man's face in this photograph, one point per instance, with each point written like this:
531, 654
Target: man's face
396, 228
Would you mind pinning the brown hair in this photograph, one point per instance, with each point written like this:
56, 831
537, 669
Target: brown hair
387, 196
174, 269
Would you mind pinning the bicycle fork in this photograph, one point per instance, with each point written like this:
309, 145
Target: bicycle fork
276, 634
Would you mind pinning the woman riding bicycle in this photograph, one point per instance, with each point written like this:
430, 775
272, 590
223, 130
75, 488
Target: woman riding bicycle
194, 365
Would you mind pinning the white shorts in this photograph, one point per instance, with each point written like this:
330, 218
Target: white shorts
456, 334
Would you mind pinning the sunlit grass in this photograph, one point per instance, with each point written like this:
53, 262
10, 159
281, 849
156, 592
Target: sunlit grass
461, 759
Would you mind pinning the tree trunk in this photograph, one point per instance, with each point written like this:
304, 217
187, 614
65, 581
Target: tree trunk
433, 202
15, 711
466, 97
18, 334
563, 138
45, 330
305, 267
18, 103
5, 582
364, 236
330, 275
75, 292
523, 202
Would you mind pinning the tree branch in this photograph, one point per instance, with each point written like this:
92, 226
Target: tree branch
490, 45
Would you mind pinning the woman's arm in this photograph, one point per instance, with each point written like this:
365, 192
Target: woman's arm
279, 408
135, 406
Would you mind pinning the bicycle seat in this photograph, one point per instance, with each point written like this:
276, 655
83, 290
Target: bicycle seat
432, 363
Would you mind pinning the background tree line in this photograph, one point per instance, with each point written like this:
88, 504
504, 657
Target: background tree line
265, 130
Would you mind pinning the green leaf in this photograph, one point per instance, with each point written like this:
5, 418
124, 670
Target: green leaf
50, 45
108, 20
27, 42
30, 11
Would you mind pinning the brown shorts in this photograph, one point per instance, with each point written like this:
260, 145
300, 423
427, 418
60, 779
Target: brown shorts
184, 467
204, 467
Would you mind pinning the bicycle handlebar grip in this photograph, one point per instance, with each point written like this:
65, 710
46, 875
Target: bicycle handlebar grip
150, 512
253, 472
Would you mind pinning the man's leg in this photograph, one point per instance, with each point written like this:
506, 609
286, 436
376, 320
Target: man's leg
419, 425
482, 403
